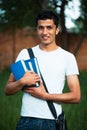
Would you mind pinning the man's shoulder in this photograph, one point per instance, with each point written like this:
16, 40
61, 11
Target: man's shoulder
23, 54
35, 47
65, 52
24, 50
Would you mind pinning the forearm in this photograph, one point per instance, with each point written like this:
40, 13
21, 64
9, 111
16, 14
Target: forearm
63, 98
13, 87
73, 96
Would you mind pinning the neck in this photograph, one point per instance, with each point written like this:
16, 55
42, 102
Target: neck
48, 47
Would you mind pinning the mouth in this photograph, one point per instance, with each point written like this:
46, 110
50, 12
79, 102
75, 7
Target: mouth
45, 37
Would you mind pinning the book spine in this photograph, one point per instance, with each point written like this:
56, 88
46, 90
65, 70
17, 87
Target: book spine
38, 71
24, 66
30, 64
37, 66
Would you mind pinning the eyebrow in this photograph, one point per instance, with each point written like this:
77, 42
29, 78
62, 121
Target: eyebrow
48, 26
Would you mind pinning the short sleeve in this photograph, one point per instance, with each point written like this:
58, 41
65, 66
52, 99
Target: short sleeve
71, 67
23, 55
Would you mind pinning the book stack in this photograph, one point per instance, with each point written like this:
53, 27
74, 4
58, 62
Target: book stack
20, 67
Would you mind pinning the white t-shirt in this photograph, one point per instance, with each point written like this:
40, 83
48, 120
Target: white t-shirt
54, 66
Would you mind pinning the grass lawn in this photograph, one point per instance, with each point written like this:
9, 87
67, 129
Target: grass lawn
10, 106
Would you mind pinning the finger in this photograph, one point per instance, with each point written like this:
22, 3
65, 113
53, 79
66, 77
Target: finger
31, 72
37, 76
41, 82
28, 91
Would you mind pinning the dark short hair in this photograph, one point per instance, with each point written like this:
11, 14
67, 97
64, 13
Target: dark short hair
47, 14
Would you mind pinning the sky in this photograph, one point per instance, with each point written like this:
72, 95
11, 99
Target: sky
73, 12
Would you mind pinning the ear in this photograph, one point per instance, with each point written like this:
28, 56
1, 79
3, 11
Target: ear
57, 30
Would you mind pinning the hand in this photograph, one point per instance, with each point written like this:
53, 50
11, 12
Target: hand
38, 92
30, 78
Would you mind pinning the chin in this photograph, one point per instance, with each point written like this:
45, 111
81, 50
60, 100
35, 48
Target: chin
46, 43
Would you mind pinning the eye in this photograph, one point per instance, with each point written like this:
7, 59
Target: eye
40, 27
49, 27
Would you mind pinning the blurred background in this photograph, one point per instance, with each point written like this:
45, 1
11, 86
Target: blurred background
17, 27
18, 31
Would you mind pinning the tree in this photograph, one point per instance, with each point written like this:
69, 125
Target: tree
81, 22
16, 14
60, 5
20, 13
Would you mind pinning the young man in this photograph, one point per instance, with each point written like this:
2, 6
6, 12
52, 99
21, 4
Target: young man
56, 66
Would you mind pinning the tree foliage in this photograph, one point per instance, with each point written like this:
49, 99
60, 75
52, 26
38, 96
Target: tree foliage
81, 22
19, 13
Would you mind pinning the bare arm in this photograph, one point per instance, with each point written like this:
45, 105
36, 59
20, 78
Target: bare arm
13, 86
71, 97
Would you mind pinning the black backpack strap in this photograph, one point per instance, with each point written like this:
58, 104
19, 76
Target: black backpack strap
50, 103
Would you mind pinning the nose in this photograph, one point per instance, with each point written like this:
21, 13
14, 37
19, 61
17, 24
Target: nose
45, 31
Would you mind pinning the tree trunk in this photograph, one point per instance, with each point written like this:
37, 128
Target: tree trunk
13, 44
63, 27
79, 44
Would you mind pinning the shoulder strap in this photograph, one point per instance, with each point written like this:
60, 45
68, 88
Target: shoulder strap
50, 103
30, 52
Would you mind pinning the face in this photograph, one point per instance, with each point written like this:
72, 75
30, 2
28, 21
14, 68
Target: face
47, 31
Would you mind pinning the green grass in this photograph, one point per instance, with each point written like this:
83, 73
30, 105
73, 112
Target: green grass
10, 106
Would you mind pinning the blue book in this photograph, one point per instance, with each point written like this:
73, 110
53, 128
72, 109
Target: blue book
20, 67
32, 64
